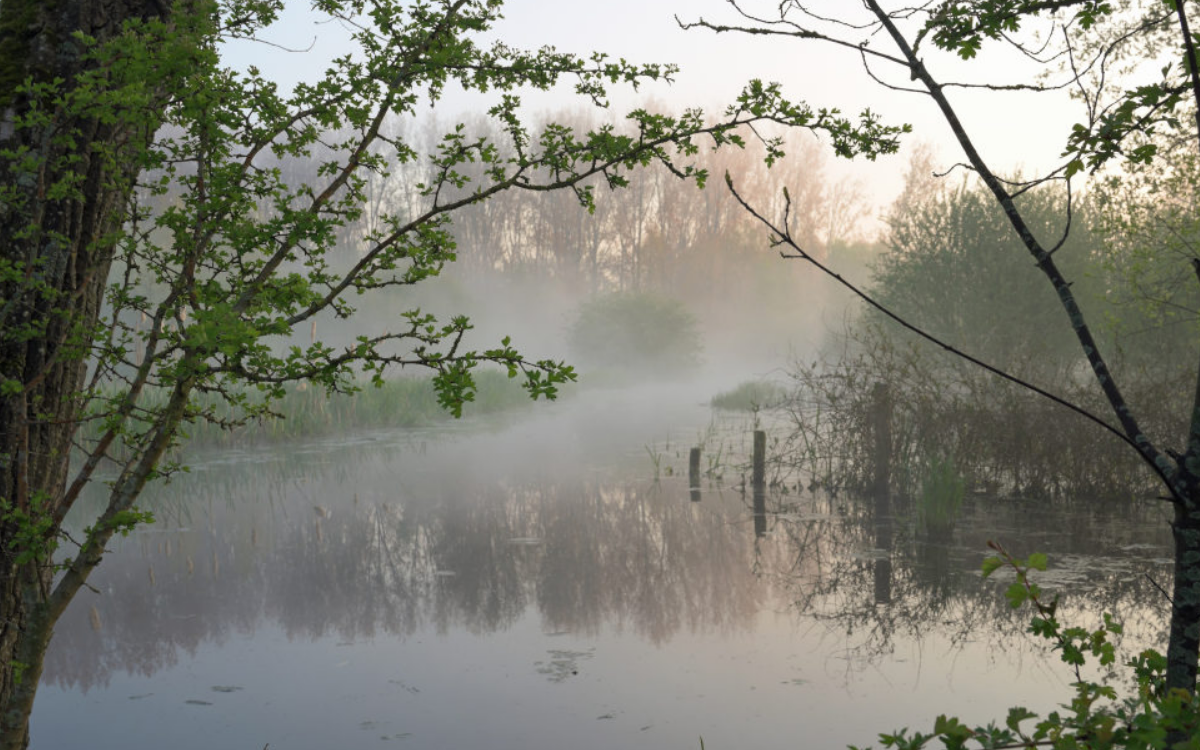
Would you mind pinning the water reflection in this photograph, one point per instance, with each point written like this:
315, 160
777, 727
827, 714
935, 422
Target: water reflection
400, 558
364, 540
868, 569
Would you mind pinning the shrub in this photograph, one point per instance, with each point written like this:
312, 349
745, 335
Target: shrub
635, 331
941, 496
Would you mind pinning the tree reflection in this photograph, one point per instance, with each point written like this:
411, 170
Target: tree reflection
440, 555
871, 572
371, 544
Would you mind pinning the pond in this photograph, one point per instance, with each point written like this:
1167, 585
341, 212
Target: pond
532, 584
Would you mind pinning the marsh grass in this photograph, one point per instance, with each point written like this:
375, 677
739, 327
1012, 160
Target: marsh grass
751, 395
310, 411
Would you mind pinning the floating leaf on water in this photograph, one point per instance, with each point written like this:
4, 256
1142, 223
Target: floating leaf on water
194, 702
225, 688
562, 664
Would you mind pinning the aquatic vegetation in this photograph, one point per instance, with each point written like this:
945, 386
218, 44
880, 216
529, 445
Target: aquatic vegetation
636, 332
308, 410
751, 395
1003, 440
941, 495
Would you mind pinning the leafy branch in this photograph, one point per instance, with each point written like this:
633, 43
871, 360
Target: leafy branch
1096, 717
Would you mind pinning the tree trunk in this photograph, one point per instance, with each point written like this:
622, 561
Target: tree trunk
1185, 612
25, 637
57, 248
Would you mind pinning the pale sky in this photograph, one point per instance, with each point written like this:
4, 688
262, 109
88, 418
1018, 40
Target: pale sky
1012, 130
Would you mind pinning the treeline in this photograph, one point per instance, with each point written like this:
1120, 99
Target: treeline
526, 260
659, 232
656, 232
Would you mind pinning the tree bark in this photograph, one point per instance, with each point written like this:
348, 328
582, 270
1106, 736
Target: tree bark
56, 251
1184, 644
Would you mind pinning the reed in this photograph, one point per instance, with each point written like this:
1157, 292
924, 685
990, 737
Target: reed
310, 411
751, 395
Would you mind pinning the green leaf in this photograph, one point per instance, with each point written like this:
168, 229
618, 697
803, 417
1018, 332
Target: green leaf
1016, 594
991, 565
1037, 561
1016, 715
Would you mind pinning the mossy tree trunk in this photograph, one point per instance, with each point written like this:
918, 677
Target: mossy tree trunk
65, 185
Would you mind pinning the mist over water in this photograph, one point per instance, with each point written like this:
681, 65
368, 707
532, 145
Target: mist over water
551, 576
525, 582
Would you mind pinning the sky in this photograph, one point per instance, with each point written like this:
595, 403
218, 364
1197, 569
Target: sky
1013, 131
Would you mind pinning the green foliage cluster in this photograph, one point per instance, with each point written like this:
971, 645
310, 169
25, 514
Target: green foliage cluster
635, 332
1147, 221
32, 542
953, 263
1097, 717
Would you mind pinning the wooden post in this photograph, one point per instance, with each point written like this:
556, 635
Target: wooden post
694, 473
759, 482
760, 459
760, 512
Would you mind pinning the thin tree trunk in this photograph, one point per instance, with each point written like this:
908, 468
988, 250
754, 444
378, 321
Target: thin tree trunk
1184, 644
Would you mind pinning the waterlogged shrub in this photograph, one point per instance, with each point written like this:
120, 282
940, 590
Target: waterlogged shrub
941, 496
637, 332
1004, 439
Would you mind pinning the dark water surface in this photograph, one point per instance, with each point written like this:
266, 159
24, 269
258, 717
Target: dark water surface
531, 585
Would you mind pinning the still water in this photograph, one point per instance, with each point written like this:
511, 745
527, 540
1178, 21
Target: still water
531, 585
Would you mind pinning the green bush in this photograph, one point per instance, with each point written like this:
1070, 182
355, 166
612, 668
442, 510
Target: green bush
941, 496
637, 332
